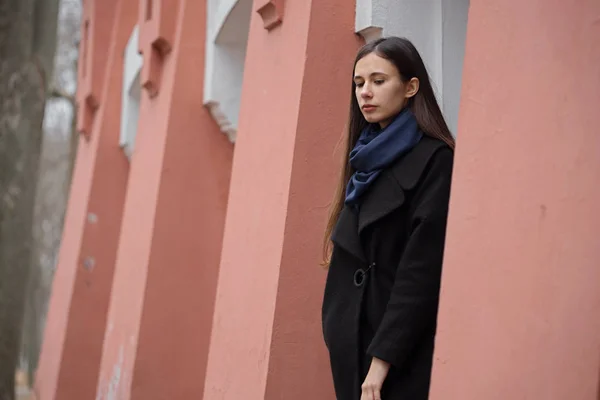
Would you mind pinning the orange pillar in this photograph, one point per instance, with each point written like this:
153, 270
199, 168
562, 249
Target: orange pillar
520, 308
72, 348
159, 321
266, 339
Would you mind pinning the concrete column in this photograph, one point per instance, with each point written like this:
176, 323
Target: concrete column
72, 348
159, 322
267, 337
520, 309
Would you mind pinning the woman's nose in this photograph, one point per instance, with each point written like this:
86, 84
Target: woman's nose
366, 93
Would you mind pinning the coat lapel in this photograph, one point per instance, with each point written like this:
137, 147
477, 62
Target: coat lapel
386, 195
382, 198
388, 191
345, 234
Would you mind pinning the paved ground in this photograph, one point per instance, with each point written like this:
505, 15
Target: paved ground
23, 392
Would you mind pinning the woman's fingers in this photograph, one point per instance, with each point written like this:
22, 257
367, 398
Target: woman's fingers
366, 394
370, 391
376, 394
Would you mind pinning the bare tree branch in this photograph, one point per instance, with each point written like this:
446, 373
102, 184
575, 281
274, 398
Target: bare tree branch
61, 94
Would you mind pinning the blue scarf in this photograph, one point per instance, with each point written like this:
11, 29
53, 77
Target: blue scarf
377, 149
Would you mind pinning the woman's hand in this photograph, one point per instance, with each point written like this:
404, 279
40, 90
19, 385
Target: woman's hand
371, 387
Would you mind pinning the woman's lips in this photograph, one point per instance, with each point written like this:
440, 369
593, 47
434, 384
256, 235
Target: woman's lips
369, 108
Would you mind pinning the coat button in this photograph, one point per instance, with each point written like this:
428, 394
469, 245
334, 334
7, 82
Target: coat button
359, 277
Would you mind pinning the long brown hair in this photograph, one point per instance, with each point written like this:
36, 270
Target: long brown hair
403, 54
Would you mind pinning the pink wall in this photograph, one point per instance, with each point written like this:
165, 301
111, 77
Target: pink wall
160, 316
266, 341
70, 358
299, 364
520, 311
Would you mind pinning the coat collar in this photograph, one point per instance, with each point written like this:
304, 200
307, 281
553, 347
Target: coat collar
387, 192
385, 195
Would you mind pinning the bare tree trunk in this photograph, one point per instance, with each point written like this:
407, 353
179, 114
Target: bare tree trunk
56, 165
27, 46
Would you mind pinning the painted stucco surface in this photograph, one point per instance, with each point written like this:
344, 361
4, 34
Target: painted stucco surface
266, 341
519, 316
159, 321
70, 358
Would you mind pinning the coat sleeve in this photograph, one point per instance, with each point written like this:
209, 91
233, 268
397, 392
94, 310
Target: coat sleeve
412, 307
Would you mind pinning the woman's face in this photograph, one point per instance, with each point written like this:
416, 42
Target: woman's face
380, 92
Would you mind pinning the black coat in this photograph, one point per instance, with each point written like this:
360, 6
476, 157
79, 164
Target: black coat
389, 310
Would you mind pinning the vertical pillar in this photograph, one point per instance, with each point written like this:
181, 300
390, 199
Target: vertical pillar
96, 32
159, 322
520, 306
267, 337
70, 358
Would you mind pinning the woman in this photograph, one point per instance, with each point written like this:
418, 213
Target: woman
385, 238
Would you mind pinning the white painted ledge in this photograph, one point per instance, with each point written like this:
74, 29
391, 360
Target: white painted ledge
228, 25
370, 18
131, 93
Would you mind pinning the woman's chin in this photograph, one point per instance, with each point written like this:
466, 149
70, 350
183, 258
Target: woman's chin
372, 119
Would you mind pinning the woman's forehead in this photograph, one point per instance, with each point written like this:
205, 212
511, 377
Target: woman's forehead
373, 64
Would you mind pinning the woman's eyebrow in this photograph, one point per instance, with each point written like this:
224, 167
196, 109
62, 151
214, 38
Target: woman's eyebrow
372, 74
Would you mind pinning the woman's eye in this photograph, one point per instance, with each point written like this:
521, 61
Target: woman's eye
359, 85
379, 81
